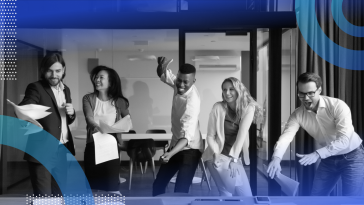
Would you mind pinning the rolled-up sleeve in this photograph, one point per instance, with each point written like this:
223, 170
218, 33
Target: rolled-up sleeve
168, 78
287, 136
345, 130
189, 119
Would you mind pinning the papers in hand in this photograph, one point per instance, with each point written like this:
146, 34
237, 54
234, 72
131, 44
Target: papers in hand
105, 148
288, 185
123, 125
31, 113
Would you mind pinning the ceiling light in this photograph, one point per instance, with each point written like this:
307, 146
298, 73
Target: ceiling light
141, 57
206, 58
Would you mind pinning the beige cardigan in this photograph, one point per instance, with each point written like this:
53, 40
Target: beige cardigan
216, 137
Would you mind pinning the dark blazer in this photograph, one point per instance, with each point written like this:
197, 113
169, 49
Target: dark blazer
41, 93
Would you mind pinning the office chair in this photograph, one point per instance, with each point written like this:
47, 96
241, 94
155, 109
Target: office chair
123, 149
140, 150
159, 144
204, 172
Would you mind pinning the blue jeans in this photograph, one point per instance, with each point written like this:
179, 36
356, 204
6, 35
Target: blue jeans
350, 167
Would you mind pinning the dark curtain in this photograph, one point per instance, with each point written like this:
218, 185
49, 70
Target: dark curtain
337, 82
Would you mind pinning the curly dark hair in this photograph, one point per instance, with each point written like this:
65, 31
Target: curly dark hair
114, 91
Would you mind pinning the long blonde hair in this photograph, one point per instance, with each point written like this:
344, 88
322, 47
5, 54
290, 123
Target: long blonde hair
243, 100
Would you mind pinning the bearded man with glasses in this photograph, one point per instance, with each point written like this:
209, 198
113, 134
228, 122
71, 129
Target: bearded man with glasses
328, 121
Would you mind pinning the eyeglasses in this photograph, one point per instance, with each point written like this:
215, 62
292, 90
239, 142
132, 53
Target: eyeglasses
309, 94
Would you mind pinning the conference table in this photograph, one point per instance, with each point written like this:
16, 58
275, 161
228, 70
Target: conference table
173, 200
155, 137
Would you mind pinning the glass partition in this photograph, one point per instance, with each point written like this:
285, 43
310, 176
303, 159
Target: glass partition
287, 106
262, 99
288, 95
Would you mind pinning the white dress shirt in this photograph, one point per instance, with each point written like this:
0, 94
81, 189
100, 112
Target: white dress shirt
331, 127
61, 104
185, 111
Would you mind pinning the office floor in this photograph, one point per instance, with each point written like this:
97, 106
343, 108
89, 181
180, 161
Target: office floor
142, 184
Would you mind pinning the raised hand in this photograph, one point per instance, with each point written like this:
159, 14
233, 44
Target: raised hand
162, 65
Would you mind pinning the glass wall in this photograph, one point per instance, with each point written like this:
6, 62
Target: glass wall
287, 102
262, 99
288, 94
216, 56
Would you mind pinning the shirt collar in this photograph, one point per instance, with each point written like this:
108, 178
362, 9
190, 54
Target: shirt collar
59, 86
188, 91
320, 105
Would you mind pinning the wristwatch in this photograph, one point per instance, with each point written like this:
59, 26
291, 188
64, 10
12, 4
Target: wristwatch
234, 159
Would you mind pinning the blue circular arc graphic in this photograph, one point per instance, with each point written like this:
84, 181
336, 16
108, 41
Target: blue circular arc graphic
43, 147
320, 43
342, 22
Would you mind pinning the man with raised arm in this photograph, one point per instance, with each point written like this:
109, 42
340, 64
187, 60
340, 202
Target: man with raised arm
185, 149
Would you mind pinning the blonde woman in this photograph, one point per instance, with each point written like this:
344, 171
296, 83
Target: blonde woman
227, 137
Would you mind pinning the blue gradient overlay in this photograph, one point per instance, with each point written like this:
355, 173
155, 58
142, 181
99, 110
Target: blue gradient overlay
321, 44
113, 14
13, 137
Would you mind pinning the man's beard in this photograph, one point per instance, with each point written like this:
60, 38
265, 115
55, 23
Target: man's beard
54, 81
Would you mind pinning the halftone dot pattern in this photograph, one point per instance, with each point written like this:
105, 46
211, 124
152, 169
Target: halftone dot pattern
75, 199
8, 40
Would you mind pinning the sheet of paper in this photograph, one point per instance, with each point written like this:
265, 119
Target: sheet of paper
123, 125
31, 113
105, 148
288, 185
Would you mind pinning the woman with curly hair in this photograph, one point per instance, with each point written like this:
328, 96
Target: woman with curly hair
227, 137
106, 103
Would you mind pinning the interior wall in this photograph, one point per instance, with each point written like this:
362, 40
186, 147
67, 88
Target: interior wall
150, 99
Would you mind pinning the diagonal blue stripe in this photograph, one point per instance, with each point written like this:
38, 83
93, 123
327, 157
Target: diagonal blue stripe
43, 147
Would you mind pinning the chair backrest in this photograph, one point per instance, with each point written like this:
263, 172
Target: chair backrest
155, 131
141, 149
